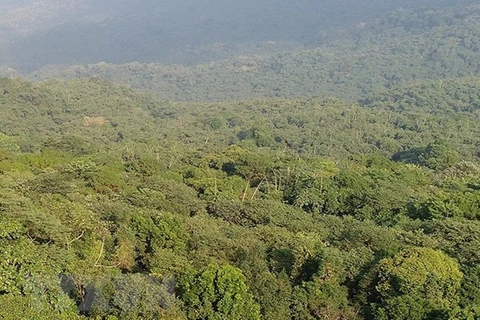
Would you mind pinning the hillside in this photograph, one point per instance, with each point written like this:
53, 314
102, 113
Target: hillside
389, 122
240, 160
38, 33
403, 46
299, 209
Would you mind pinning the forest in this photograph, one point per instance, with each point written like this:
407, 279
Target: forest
336, 177
262, 209
400, 47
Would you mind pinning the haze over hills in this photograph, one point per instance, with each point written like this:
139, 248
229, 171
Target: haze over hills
399, 47
37, 33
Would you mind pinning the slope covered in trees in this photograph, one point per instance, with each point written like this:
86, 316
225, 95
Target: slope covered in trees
403, 46
390, 122
115, 205
335, 181
37, 33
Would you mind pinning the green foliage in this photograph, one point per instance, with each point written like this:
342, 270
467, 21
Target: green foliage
8, 143
438, 156
134, 296
219, 292
259, 133
429, 277
322, 298
30, 283
272, 209
403, 307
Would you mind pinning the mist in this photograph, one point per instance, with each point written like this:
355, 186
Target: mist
34, 34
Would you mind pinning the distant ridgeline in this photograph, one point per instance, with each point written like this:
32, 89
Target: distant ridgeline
402, 47
39, 33
115, 205
389, 122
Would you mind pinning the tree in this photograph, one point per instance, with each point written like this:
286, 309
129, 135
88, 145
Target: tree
219, 292
29, 282
402, 307
438, 156
414, 277
133, 296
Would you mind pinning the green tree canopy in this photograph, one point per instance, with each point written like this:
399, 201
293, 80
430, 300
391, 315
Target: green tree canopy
426, 276
219, 292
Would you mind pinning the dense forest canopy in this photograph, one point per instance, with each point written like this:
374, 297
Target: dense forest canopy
211, 160
302, 209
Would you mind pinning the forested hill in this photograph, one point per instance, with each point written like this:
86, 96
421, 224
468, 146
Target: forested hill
267, 159
114, 205
435, 97
389, 122
37, 33
404, 46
